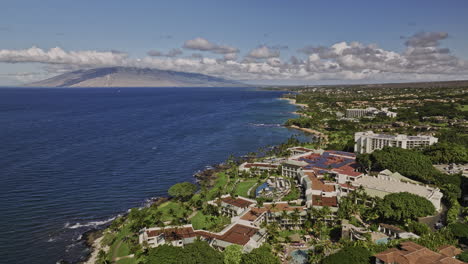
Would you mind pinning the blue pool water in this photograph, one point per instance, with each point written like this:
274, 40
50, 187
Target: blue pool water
299, 257
260, 188
72, 159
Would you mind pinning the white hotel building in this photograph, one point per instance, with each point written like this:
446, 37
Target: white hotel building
367, 142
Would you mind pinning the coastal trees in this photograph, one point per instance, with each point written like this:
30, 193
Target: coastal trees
261, 255
183, 190
197, 252
445, 152
233, 254
349, 255
417, 166
400, 207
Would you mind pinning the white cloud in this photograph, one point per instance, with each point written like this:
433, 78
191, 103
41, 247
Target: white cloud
263, 52
205, 45
423, 59
59, 56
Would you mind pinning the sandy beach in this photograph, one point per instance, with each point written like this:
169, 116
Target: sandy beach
312, 131
293, 101
95, 250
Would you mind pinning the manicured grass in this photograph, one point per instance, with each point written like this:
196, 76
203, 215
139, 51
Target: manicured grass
286, 233
221, 182
292, 195
166, 207
464, 108
120, 248
243, 187
127, 261
209, 222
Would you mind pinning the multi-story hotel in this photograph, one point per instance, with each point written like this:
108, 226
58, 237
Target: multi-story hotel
367, 142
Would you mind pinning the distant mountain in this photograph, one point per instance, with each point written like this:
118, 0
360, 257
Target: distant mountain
133, 77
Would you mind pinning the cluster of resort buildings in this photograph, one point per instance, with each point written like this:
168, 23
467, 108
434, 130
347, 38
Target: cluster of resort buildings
323, 178
367, 142
327, 176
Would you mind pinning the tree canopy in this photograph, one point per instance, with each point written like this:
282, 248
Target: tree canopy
412, 164
198, 252
349, 255
447, 153
183, 190
233, 254
399, 207
261, 255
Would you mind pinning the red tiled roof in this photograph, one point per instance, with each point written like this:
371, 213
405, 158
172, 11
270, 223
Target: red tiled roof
346, 185
282, 207
347, 170
319, 185
237, 234
449, 251
239, 202
412, 253
318, 200
250, 165
253, 214
173, 233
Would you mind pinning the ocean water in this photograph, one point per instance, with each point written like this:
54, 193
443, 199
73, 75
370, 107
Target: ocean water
72, 159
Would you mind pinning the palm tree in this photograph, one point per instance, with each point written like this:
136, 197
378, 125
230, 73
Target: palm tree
285, 216
295, 217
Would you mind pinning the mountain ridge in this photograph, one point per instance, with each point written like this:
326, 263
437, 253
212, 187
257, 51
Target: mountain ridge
133, 77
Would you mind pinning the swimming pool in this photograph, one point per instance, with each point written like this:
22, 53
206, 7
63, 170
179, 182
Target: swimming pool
299, 257
260, 188
382, 240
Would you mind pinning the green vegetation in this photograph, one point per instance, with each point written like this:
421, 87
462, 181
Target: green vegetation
261, 255
197, 252
243, 187
460, 231
413, 164
418, 228
444, 153
233, 254
183, 190
294, 194
349, 255
401, 207
209, 222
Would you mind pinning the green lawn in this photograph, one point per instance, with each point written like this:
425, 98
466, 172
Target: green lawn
120, 248
127, 261
464, 108
221, 182
292, 195
209, 222
243, 187
166, 207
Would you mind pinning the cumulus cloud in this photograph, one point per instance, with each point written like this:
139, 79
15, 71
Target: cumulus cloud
263, 52
426, 39
172, 53
205, 45
59, 56
422, 59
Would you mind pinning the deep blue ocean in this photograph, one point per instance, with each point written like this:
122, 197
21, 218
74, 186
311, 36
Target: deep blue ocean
72, 159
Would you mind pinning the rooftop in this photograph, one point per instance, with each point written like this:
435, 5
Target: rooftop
412, 253
238, 202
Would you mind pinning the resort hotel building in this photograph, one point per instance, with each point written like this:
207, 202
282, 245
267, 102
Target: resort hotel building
370, 111
327, 176
367, 142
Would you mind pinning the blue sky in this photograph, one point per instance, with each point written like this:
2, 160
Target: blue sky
136, 27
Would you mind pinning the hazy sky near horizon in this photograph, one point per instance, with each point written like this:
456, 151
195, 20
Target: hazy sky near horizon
255, 41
